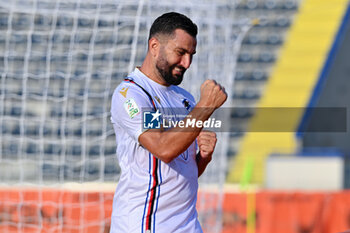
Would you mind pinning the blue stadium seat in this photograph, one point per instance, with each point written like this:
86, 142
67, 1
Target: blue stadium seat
81, 57
242, 113
37, 39
19, 92
39, 20
245, 57
94, 150
47, 131
110, 150
266, 57
252, 39
32, 148
51, 171
64, 21
104, 23
258, 76
31, 131
80, 92
58, 93
282, 21
79, 72
76, 150
3, 20
78, 132
96, 76
84, 22
290, 5
240, 75
56, 112
270, 4
16, 111
111, 168
236, 133
5, 129
77, 111
19, 39
274, 39
20, 22
93, 169
96, 110
11, 149
16, 130
59, 132
95, 132
52, 149
247, 95
59, 38
251, 4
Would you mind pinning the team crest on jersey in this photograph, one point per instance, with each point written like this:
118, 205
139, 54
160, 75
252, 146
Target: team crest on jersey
186, 104
131, 108
123, 91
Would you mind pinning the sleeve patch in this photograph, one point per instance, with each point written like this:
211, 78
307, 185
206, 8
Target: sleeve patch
131, 108
123, 91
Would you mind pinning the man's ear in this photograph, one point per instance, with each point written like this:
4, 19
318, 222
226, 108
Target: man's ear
153, 46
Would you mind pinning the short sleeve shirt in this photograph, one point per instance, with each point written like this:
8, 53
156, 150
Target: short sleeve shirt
151, 196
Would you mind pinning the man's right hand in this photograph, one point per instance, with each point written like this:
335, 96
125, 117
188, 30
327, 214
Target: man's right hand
213, 95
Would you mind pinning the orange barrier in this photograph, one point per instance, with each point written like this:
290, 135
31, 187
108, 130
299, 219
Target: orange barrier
47, 210
286, 212
54, 211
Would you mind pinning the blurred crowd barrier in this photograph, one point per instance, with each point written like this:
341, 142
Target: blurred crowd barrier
52, 210
288, 212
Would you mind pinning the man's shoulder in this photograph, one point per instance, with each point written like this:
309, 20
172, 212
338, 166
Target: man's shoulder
127, 88
129, 97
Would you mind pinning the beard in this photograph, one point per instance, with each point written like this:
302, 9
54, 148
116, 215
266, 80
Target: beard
166, 71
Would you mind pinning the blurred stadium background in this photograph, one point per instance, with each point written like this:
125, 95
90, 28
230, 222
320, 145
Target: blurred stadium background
278, 59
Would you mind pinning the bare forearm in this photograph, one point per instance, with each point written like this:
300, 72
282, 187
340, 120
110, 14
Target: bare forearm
171, 143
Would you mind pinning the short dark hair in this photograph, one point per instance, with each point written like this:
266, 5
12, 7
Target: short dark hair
168, 22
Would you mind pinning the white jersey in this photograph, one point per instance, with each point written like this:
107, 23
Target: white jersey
151, 196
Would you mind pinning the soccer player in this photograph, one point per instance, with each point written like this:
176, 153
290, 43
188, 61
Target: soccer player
157, 190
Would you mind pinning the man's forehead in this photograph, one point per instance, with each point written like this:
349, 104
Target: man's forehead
182, 40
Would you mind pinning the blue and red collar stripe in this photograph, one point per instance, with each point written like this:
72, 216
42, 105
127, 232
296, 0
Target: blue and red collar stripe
147, 93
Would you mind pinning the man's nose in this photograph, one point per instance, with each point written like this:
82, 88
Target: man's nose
186, 61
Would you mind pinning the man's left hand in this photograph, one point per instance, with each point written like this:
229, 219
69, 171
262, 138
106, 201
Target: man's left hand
206, 142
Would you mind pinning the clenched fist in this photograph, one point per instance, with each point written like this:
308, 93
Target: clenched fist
206, 142
213, 95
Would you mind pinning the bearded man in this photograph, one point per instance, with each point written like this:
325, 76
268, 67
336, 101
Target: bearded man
157, 189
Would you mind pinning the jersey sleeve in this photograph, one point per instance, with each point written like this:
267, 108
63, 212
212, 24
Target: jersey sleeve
128, 100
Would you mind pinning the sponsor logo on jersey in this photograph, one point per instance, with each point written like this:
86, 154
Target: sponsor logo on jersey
131, 108
157, 98
123, 91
